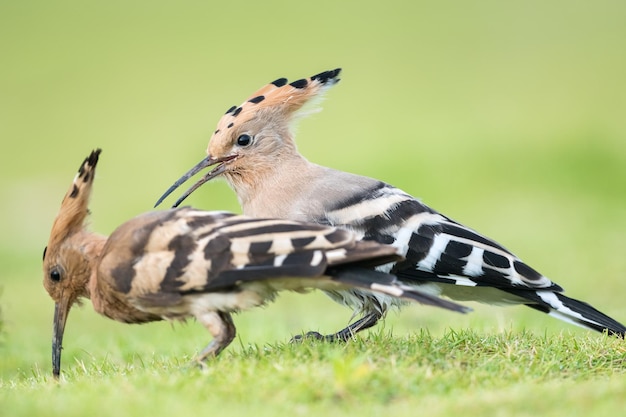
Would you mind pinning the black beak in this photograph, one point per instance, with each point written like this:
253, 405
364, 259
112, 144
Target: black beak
205, 163
61, 310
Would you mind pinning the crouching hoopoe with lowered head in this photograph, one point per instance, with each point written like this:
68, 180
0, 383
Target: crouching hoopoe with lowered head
184, 262
254, 150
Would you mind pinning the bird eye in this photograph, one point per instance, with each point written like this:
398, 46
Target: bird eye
55, 275
244, 140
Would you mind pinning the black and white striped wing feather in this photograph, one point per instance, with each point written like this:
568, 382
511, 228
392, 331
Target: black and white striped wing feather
242, 249
197, 252
446, 251
441, 251
213, 252
435, 247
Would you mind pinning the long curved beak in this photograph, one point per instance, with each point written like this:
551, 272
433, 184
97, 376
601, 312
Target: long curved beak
205, 163
61, 310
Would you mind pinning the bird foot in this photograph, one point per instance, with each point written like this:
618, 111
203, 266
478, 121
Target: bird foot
200, 363
331, 338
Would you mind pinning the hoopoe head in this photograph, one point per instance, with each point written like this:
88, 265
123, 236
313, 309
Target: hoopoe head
70, 253
249, 138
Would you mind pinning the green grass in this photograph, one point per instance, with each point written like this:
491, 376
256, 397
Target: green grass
460, 371
506, 116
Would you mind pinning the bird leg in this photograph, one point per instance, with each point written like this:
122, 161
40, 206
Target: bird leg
345, 334
222, 328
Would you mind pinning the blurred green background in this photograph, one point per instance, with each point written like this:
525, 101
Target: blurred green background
507, 116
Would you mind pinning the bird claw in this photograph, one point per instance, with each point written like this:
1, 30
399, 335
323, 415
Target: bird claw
200, 363
307, 336
330, 338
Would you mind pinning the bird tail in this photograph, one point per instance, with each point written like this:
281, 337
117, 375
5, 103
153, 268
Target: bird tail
381, 282
574, 311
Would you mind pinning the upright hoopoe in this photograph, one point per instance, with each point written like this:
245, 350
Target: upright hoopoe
253, 148
184, 263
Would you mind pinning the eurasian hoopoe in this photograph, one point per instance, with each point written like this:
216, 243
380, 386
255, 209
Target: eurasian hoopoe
253, 148
184, 263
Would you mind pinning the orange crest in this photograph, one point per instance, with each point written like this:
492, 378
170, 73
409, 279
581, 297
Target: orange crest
74, 208
278, 97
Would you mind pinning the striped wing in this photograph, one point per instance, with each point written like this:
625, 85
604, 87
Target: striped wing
460, 256
184, 251
441, 251
243, 249
435, 247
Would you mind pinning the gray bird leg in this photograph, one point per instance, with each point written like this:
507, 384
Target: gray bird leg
222, 328
345, 334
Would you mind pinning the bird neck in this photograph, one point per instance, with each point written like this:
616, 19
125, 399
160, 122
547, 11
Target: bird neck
98, 292
266, 179
93, 250
107, 300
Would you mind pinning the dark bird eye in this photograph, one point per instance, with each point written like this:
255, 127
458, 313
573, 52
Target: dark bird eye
244, 140
55, 275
